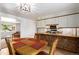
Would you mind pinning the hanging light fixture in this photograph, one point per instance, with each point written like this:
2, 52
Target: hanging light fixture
24, 7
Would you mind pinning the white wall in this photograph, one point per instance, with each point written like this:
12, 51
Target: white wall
18, 27
0, 33
28, 28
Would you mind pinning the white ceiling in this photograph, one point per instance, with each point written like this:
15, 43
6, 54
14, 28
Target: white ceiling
38, 9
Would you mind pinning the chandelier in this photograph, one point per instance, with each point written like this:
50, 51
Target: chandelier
24, 7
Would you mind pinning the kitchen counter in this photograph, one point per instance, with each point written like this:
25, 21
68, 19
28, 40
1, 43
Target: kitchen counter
59, 35
67, 42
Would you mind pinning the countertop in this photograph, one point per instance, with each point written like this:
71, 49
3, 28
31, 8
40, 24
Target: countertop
58, 35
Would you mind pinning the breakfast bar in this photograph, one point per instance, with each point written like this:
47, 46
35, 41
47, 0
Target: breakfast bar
66, 42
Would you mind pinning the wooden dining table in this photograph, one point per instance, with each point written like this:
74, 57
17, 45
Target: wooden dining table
28, 46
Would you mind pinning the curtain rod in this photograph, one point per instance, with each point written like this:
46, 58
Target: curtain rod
59, 16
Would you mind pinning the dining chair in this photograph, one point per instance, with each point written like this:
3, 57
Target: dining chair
52, 49
10, 46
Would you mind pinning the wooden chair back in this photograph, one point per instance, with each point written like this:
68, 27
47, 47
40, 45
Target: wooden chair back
10, 46
53, 47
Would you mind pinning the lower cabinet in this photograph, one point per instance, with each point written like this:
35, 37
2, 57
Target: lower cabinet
69, 44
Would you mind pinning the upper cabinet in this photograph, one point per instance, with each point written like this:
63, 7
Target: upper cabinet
66, 21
